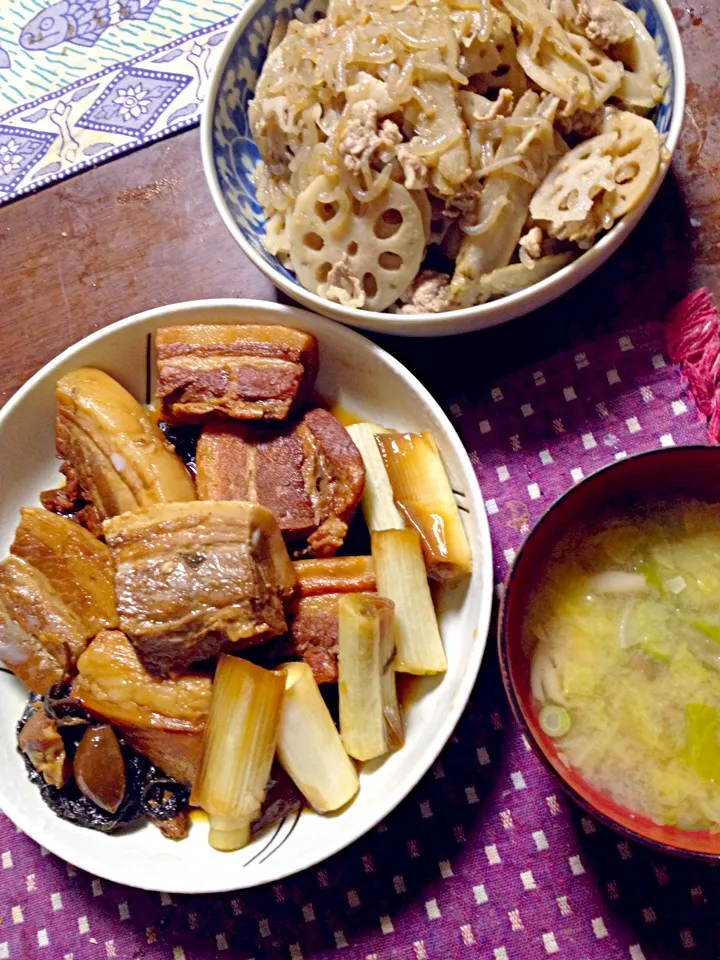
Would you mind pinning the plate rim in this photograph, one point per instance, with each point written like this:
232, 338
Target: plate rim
277, 313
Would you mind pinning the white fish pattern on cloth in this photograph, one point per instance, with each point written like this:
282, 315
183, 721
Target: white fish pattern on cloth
488, 859
85, 80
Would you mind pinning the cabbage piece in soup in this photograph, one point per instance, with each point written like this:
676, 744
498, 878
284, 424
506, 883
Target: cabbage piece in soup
624, 629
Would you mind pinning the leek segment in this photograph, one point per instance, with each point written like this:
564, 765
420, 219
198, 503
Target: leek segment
309, 747
401, 576
238, 749
370, 721
424, 498
378, 501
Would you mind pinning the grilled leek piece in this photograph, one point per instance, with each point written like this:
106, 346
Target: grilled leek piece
425, 499
402, 577
335, 575
370, 721
309, 747
76, 563
112, 448
378, 501
191, 577
238, 749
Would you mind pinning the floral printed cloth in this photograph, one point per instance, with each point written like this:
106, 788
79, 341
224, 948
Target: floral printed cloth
486, 857
85, 80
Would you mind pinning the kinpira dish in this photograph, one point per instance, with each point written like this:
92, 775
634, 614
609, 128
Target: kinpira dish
424, 156
201, 613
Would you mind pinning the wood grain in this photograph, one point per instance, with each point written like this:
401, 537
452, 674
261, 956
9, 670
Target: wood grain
142, 231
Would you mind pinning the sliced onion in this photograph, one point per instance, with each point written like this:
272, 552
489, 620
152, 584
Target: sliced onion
617, 581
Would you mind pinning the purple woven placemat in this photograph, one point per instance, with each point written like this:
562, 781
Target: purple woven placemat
486, 857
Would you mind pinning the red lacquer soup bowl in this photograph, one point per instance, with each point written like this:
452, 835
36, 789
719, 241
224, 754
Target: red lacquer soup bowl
669, 474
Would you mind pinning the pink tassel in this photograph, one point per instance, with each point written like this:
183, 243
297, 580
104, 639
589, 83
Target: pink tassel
692, 334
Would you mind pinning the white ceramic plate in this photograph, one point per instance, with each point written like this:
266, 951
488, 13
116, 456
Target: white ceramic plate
365, 380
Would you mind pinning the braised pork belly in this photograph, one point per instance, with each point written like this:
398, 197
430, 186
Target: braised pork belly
163, 719
191, 577
77, 564
248, 372
314, 626
113, 452
40, 636
308, 474
172, 647
335, 575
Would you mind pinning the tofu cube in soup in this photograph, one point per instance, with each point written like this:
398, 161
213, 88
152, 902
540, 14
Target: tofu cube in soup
247, 372
193, 577
113, 451
309, 474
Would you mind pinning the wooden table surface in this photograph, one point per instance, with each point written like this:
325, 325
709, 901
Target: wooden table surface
142, 231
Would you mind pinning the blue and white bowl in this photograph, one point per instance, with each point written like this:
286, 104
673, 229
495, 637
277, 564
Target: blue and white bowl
230, 158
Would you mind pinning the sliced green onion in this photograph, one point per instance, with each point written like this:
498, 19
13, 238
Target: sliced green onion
554, 721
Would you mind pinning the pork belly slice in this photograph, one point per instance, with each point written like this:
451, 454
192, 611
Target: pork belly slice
309, 474
247, 372
314, 626
40, 636
76, 563
314, 635
113, 451
163, 719
191, 577
335, 575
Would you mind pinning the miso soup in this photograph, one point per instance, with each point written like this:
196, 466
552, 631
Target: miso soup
624, 629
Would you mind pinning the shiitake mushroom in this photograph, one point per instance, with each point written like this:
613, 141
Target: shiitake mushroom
99, 768
70, 803
40, 741
184, 437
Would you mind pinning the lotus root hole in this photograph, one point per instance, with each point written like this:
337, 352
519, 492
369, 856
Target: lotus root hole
388, 224
502, 70
628, 171
369, 285
569, 201
321, 274
352, 248
314, 241
326, 211
389, 260
624, 149
357, 207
